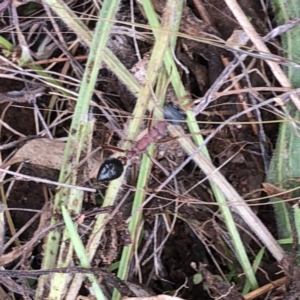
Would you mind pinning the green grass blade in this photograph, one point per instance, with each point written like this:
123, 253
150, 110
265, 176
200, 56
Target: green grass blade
156, 61
80, 131
194, 128
80, 251
233, 198
112, 62
285, 164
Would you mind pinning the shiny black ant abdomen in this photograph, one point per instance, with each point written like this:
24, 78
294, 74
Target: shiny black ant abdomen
111, 169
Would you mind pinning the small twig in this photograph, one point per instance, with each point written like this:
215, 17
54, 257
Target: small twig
76, 66
22, 140
55, 60
37, 179
202, 11
22, 230
260, 45
21, 96
35, 273
240, 96
208, 98
4, 124
4, 5
42, 232
281, 29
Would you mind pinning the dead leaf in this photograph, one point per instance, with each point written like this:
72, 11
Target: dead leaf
238, 38
272, 190
43, 152
139, 69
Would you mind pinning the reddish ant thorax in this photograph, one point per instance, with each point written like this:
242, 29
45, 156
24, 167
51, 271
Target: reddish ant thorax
157, 132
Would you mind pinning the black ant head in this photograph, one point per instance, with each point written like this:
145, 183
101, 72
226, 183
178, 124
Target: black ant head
173, 113
111, 169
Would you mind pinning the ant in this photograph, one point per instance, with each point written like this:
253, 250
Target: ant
112, 168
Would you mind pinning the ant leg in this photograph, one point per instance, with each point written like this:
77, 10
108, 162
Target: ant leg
150, 121
157, 163
166, 140
133, 173
112, 148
